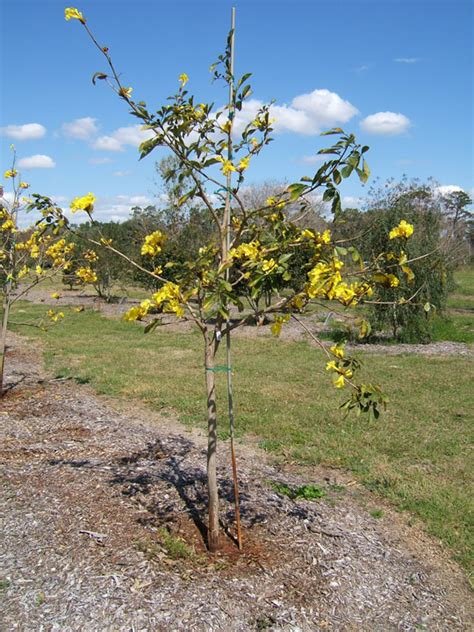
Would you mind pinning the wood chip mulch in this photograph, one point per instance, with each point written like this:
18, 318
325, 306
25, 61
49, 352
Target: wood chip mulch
91, 497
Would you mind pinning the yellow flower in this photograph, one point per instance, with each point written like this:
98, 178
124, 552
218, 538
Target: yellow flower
244, 163
73, 14
106, 242
337, 351
183, 79
86, 275
404, 229
153, 243
126, 93
39, 270
338, 381
91, 256
308, 234
55, 295
331, 365
277, 325
268, 265
393, 280
55, 316
85, 203
23, 272
247, 251
11, 173
227, 167
24, 185
8, 225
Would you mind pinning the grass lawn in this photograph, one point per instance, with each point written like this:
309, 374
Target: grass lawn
417, 455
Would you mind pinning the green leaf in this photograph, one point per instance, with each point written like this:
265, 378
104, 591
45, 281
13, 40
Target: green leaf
152, 325
148, 146
98, 75
334, 130
329, 194
336, 176
296, 190
346, 171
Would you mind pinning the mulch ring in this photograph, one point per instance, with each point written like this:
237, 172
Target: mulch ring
103, 521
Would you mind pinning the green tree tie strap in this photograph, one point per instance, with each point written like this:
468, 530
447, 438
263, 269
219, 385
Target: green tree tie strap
219, 368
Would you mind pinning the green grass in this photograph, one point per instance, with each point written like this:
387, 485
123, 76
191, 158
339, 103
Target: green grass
417, 455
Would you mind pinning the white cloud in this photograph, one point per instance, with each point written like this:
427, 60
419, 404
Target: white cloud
107, 143
351, 201
385, 124
81, 128
121, 174
132, 135
407, 60
38, 161
313, 160
446, 189
307, 114
100, 161
30, 131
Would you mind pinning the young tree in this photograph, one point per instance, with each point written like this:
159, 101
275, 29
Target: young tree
252, 244
28, 256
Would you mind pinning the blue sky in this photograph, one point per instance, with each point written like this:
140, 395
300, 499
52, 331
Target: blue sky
397, 73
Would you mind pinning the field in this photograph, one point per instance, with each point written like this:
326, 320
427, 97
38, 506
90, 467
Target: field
416, 456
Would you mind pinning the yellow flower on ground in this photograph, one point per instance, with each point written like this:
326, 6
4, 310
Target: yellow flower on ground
404, 229
183, 79
85, 203
72, 13
11, 173
55, 316
55, 295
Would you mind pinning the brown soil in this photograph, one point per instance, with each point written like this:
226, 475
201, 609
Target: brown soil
94, 490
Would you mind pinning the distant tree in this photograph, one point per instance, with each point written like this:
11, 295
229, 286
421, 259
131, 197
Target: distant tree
405, 305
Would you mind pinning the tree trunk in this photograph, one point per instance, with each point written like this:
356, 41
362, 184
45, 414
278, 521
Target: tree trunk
213, 497
3, 340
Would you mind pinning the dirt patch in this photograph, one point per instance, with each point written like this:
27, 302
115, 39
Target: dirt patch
291, 331
103, 515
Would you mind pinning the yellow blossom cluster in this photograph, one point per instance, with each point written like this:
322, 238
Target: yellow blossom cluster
318, 238
84, 203
278, 324
10, 173
59, 251
31, 245
153, 243
72, 13
325, 281
86, 275
341, 373
269, 265
404, 229
227, 166
246, 251
168, 299
55, 316
91, 256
